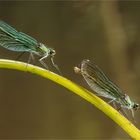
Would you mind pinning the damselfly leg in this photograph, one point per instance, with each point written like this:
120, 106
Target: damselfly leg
31, 57
19, 56
56, 66
43, 63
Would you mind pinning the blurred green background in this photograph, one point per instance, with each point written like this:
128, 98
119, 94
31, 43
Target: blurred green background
106, 32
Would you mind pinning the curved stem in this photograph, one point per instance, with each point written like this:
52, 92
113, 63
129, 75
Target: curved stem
130, 129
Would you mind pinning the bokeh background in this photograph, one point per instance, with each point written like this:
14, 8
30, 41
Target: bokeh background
106, 32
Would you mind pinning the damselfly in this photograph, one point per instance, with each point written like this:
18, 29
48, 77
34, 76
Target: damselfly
103, 86
13, 40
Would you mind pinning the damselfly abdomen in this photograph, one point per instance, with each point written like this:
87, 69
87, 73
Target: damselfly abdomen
103, 86
13, 40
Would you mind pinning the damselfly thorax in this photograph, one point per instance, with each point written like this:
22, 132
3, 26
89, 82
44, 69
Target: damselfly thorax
103, 86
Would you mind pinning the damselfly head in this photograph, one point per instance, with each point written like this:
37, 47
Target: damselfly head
126, 102
136, 106
52, 52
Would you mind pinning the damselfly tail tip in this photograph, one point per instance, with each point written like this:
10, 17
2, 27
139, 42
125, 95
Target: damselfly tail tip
77, 70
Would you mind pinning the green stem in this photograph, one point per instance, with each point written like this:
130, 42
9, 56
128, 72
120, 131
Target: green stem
130, 129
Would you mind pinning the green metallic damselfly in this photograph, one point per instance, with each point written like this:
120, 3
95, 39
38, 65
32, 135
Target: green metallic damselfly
104, 87
13, 40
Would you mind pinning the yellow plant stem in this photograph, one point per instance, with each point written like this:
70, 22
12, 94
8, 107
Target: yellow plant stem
130, 129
